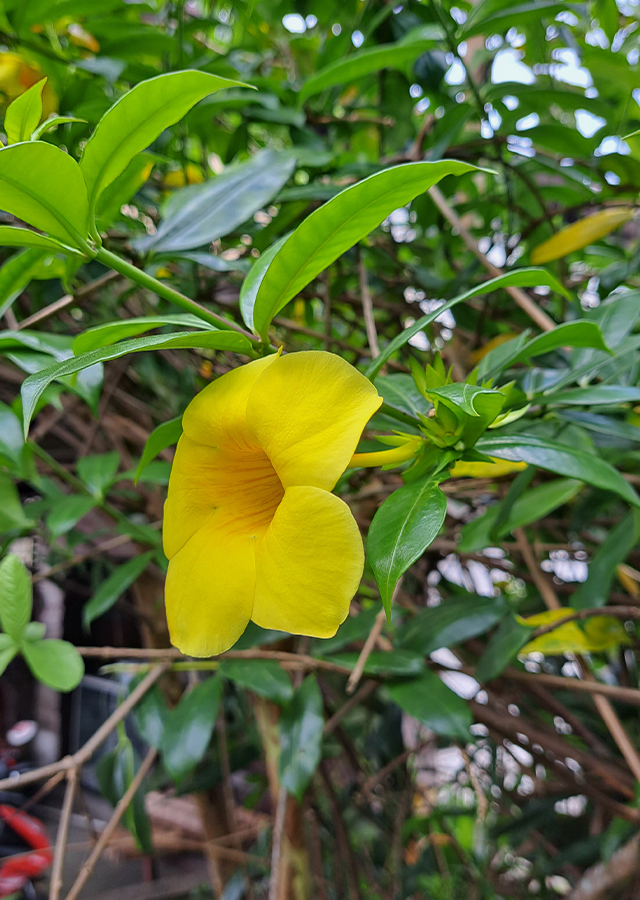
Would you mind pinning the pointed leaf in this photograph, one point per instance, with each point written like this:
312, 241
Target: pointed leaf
456, 620
433, 704
301, 727
189, 728
579, 234
11, 236
34, 386
112, 332
264, 677
15, 596
339, 224
98, 471
114, 587
503, 647
67, 512
43, 186
165, 435
401, 530
137, 119
22, 116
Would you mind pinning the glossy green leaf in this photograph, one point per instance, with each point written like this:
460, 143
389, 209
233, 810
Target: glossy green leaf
98, 471
112, 332
114, 586
433, 704
151, 715
22, 116
335, 227
15, 596
357, 65
201, 213
486, 19
264, 677
301, 727
519, 278
401, 530
33, 387
115, 771
67, 512
561, 459
502, 649
613, 428
456, 620
598, 395
391, 663
602, 567
163, 436
43, 186
137, 119
11, 236
354, 628
188, 731
55, 663
484, 530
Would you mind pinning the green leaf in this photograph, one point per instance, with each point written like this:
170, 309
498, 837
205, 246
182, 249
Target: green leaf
433, 704
98, 471
55, 663
17, 272
464, 396
114, 587
12, 514
357, 65
112, 332
335, 227
354, 628
504, 645
151, 715
190, 726
11, 236
401, 530
116, 770
602, 567
264, 677
33, 387
7, 653
51, 124
123, 188
15, 596
598, 395
67, 511
43, 186
137, 119
24, 113
456, 620
163, 436
519, 278
561, 459
532, 506
301, 727
393, 663
201, 213
34, 631
497, 21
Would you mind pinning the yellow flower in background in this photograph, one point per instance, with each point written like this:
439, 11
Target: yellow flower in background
251, 528
16, 75
496, 469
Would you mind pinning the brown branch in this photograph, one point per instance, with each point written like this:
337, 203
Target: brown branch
369, 644
110, 827
55, 884
367, 307
601, 878
367, 688
68, 299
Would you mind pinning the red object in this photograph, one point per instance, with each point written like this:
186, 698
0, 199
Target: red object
17, 870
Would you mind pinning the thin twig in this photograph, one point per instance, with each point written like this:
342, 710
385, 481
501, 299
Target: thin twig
525, 302
367, 688
67, 300
55, 884
369, 644
110, 827
87, 750
367, 307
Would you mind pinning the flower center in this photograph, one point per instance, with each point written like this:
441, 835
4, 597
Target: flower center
252, 491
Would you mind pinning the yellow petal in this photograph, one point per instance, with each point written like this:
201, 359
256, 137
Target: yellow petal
308, 411
581, 233
217, 416
496, 469
209, 591
239, 487
308, 565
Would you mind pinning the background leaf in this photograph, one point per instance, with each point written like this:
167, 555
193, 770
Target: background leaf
301, 727
15, 596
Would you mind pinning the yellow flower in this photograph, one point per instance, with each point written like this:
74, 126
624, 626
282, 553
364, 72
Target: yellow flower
251, 529
16, 75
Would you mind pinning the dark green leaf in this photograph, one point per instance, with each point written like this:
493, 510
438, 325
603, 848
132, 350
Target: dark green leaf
393, 663
401, 530
509, 638
114, 587
67, 511
433, 704
264, 677
190, 726
98, 471
602, 567
151, 715
456, 620
598, 395
301, 727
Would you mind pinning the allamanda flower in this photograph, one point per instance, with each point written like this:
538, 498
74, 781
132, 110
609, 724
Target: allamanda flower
251, 528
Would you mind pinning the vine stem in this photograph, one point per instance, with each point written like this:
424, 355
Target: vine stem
118, 264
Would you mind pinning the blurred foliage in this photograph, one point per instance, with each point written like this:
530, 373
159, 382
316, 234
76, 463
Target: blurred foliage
427, 786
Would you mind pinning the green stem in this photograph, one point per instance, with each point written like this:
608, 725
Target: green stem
164, 290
